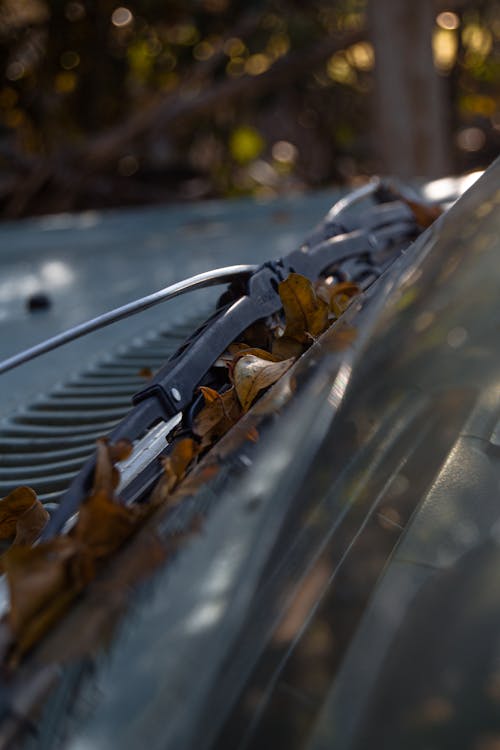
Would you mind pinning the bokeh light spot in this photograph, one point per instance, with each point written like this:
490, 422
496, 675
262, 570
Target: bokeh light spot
70, 59
362, 56
257, 64
471, 139
444, 48
15, 70
121, 17
245, 144
74, 11
448, 20
203, 51
284, 151
234, 47
127, 165
65, 83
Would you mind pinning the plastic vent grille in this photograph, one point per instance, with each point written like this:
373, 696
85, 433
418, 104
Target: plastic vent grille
45, 444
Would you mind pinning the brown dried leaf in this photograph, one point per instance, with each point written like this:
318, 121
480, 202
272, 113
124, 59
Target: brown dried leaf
22, 516
209, 394
425, 214
176, 463
103, 524
145, 372
220, 412
35, 575
252, 434
106, 475
12, 507
175, 466
305, 313
252, 374
258, 335
256, 352
31, 524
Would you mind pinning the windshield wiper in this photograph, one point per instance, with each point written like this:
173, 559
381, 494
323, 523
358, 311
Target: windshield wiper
348, 245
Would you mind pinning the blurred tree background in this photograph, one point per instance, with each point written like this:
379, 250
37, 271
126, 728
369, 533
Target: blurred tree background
103, 104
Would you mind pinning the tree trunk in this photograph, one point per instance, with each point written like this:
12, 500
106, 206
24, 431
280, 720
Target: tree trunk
410, 111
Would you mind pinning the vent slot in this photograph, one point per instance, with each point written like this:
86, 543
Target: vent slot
45, 444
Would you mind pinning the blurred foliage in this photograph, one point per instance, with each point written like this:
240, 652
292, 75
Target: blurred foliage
75, 71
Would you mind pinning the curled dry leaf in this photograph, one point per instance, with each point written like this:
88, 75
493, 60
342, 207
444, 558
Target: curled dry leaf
31, 524
305, 313
176, 463
106, 475
12, 507
252, 374
103, 523
220, 412
175, 467
19, 508
22, 518
43, 580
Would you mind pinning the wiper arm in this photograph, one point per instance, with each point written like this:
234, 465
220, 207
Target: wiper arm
200, 281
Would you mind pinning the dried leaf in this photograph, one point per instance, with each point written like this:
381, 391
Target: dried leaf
176, 463
305, 313
36, 574
145, 372
240, 350
236, 347
31, 524
220, 412
103, 524
209, 394
258, 335
252, 374
425, 213
106, 475
22, 516
12, 507
252, 434
175, 466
